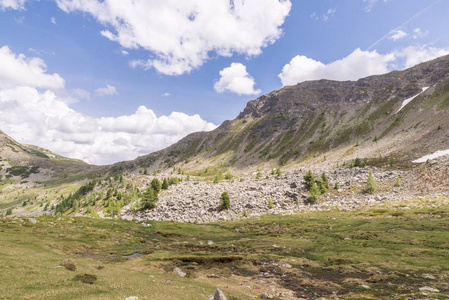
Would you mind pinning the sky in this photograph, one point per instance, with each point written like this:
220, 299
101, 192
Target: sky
107, 81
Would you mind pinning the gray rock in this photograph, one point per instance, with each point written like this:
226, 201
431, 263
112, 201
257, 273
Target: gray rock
180, 272
131, 298
429, 289
32, 221
219, 295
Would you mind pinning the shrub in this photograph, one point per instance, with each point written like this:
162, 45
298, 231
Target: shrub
86, 278
165, 184
397, 182
391, 161
371, 183
308, 178
9, 212
225, 202
336, 186
245, 214
228, 176
270, 203
311, 199
149, 198
323, 183
218, 178
156, 185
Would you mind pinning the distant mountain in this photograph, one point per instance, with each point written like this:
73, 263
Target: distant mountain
20, 162
325, 120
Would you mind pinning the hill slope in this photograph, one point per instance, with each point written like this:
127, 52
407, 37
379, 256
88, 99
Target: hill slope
325, 120
31, 176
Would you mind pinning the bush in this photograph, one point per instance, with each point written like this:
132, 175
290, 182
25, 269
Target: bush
371, 183
86, 278
311, 199
165, 184
218, 178
270, 204
397, 182
9, 212
323, 183
149, 198
156, 185
225, 202
308, 178
228, 176
336, 186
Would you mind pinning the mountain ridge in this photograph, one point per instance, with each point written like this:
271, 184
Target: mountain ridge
313, 118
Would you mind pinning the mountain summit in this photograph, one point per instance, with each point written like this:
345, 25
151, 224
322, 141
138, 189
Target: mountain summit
402, 113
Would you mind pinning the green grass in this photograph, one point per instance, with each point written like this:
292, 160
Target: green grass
388, 250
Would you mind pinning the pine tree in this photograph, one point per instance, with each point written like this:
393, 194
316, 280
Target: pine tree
371, 183
308, 178
165, 184
225, 202
156, 185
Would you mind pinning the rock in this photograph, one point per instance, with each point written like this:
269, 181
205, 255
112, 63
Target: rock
428, 276
429, 289
210, 243
293, 185
32, 221
266, 296
219, 295
131, 298
365, 286
180, 272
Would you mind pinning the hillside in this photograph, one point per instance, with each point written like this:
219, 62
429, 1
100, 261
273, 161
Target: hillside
325, 120
29, 174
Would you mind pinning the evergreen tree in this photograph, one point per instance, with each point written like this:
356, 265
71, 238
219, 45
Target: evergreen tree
165, 184
371, 183
149, 198
308, 178
225, 202
156, 185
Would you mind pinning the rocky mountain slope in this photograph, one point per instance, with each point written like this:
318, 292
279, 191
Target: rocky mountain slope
29, 173
325, 120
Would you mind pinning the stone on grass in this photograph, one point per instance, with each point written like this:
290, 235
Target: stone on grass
219, 295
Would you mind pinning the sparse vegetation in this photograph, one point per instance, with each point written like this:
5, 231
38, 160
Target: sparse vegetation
270, 204
225, 201
371, 183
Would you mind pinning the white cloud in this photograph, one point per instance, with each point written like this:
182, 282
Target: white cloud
236, 79
109, 90
397, 35
124, 52
180, 35
34, 116
357, 65
80, 94
12, 4
418, 33
17, 70
330, 13
166, 94
53, 20
370, 4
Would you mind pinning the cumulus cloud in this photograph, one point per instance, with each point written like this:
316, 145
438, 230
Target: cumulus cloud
357, 65
37, 116
109, 90
397, 35
166, 94
53, 20
12, 4
235, 79
180, 35
17, 70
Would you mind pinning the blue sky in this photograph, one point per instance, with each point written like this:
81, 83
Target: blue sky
110, 69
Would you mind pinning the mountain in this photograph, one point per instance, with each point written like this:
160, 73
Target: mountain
325, 120
31, 176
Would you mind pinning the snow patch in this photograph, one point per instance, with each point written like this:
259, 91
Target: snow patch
407, 101
431, 156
